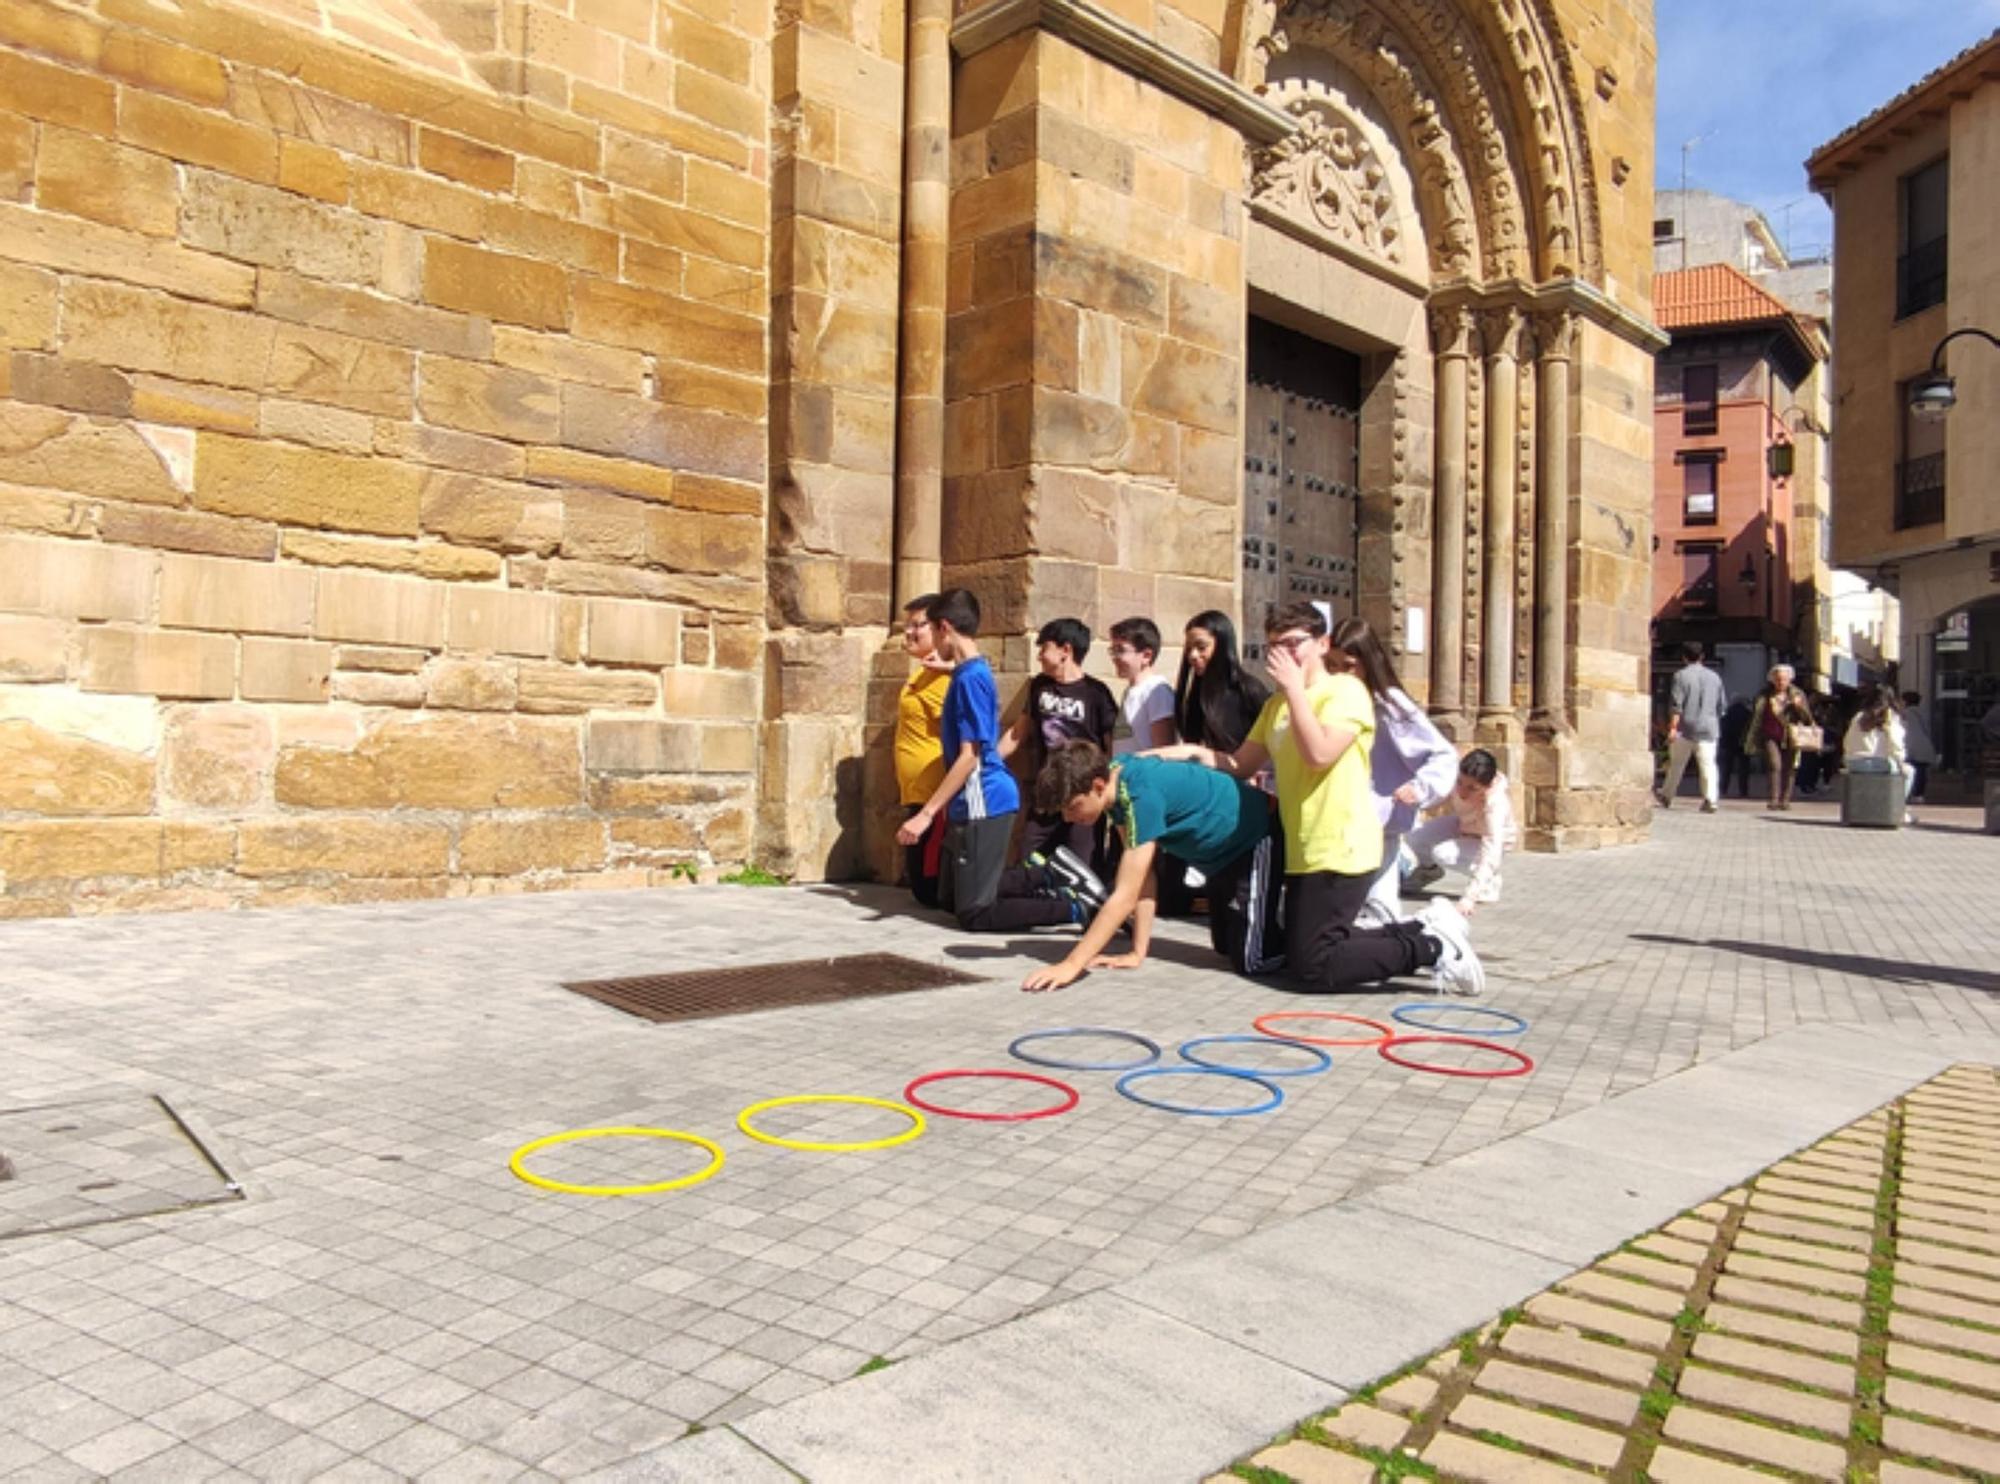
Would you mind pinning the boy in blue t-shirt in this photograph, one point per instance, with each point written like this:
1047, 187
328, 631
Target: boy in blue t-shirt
978, 796
1219, 824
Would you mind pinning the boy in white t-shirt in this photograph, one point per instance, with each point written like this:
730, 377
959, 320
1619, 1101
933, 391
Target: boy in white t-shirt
1146, 714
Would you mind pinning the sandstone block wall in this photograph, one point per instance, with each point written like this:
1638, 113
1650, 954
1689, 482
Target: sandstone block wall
382, 446
1094, 371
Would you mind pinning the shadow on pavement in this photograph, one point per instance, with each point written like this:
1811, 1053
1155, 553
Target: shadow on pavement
1894, 970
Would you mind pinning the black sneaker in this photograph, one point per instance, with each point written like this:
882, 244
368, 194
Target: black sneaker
1067, 871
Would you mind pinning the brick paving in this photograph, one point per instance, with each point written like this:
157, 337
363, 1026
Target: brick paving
387, 1301
1855, 1355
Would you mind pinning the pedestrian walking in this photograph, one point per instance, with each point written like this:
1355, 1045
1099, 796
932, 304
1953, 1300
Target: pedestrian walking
1781, 725
1694, 727
1733, 760
1917, 741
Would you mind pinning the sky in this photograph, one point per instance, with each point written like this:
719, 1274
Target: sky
1764, 83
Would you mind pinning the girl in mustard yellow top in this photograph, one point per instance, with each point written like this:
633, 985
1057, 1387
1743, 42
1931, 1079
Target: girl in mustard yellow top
920, 748
1315, 733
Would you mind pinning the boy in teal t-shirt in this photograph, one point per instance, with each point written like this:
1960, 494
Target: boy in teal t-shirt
1225, 828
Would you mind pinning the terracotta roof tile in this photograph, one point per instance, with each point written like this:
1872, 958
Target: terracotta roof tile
1714, 294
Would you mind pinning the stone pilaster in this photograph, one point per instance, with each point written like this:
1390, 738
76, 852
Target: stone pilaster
1452, 329
836, 231
1503, 349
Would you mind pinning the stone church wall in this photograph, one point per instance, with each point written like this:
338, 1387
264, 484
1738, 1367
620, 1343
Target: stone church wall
383, 442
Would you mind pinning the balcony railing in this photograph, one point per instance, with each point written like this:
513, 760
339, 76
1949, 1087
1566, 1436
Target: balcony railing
1920, 277
1920, 491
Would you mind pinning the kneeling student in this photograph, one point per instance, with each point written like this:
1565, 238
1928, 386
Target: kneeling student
1224, 827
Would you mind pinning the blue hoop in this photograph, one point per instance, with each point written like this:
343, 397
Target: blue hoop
1401, 1013
1277, 1093
1152, 1050
1187, 1055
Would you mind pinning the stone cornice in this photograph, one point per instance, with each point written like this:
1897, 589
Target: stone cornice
1125, 46
1555, 296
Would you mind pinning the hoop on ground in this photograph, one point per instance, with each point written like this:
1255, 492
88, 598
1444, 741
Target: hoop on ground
1069, 1093
1387, 1031
518, 1163
1276, 1094
1152, 1050
1516, 1025
1186, 1054
1388, 1051
811, 1146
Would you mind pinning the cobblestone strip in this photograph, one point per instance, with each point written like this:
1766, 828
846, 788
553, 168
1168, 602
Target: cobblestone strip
1838, 1318
1941, 1392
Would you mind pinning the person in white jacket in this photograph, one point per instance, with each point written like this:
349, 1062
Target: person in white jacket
1876, 734
1474, 831
1411, 767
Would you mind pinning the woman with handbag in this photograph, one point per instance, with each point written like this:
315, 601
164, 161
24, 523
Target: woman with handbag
1781, 726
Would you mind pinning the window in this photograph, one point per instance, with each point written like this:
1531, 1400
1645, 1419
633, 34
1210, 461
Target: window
1698, 489
1663, 229
1698, 411
1698, 563
1921, 270
1920, 472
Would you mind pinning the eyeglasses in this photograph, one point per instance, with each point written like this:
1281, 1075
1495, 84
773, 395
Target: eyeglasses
1122, 649
916, 625
1292, 642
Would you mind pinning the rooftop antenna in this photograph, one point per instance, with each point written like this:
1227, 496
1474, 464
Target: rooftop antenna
1687, 149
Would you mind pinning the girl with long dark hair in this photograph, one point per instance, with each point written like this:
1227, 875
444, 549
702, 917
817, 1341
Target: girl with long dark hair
1411, 766
1215, 704
1215, 699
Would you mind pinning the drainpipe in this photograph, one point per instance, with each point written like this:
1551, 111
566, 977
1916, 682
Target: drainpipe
926, 234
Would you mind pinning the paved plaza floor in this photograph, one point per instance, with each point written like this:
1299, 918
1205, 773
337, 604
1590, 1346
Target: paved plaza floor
341, 1279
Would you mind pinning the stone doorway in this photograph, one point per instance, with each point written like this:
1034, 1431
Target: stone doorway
1302, 476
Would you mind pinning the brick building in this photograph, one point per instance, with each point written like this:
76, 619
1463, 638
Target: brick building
1738, 408
455, 445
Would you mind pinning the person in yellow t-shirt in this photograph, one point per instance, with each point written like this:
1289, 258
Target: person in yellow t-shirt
1315, 733
920, 747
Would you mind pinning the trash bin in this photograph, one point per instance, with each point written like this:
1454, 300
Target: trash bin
1872, 798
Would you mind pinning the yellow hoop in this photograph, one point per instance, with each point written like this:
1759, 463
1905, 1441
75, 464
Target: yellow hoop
519, 1167
916, 1123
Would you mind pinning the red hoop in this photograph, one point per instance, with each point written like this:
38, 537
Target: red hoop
1388, 1031
910, 1096
1387, 1049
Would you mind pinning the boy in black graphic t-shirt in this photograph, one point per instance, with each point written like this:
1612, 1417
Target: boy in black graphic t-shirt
1063, 705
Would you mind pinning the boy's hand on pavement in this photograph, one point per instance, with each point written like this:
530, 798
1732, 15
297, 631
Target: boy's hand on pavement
1053, 977
1118, 961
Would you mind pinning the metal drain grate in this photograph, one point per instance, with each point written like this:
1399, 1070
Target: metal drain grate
700, 994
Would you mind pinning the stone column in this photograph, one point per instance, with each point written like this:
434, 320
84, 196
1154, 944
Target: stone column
1503, 419
1556, 332
926, 248
1452, 332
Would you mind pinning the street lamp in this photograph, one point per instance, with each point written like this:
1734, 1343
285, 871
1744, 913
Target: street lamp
1934, 394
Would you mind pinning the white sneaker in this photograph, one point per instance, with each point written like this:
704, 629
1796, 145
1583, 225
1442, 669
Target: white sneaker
1458, 970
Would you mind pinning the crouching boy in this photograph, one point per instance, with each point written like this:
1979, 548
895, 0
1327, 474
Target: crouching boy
1225, 828
1473, 831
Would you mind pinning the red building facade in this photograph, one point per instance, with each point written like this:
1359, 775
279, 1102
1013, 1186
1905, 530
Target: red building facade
1733, 396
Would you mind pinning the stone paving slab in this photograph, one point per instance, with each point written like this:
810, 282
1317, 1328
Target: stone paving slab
1100, 1389
390, 1300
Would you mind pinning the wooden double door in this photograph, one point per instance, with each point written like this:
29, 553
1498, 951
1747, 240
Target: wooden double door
1301, 461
